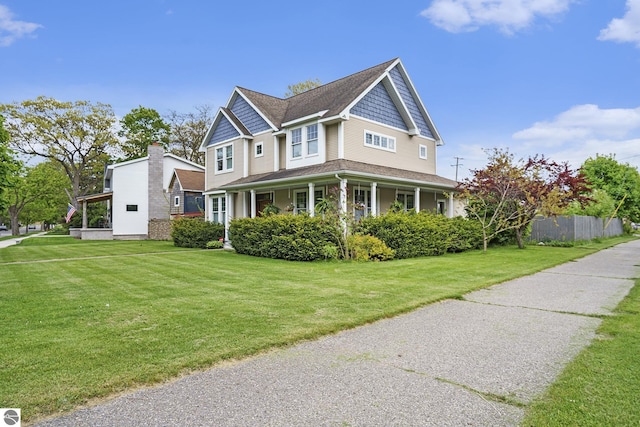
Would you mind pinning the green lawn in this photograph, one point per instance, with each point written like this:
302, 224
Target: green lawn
82, 320
601, 387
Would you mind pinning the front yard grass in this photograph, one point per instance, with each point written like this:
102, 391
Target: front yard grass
83, 320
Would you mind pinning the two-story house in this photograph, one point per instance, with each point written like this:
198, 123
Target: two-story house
368, 134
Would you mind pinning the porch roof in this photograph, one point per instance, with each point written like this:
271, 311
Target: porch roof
345, 168
93, 198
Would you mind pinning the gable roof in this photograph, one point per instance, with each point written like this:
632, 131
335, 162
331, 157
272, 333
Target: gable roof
331, 100
189, 180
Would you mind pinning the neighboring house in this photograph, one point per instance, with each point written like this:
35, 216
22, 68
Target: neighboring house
368, 134
136, 192
186, 189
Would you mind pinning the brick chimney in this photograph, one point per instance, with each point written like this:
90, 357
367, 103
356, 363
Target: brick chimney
158, 204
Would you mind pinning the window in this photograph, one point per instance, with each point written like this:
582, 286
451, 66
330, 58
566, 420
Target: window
407, 199
219, 209
132, 208
423, 151
224, 158
259, 149
296, 143
382, 142
312, 139
176, 201
300, 201
361, 203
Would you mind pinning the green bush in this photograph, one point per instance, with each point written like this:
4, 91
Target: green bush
195, 232
422, 234
215, 244
368, 248
290, 237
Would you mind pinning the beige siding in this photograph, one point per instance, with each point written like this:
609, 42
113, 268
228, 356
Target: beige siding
331, 135
405, 157
216, 180
282, 141
263, 164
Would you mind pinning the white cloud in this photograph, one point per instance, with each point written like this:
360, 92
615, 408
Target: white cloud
509, 15
11, 30
585, 131
625, 29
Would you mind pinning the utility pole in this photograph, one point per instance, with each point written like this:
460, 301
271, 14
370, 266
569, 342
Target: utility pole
457, 165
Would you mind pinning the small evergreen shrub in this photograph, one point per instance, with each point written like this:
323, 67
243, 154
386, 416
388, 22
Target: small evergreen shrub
290, 237
195, 232
368, 248
215, 244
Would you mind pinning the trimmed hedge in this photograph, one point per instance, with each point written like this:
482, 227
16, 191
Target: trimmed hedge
368, 248
423, 234
195, 232
290, 237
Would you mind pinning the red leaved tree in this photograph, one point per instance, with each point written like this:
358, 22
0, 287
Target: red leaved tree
507, 195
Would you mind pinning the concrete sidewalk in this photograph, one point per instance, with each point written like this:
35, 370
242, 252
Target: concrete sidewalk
448, 364
16, 240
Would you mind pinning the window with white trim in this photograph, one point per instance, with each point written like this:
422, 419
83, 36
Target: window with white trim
224, 158
176, 201
259, 149
312, 139
218, 209
296, 143
408, 200
300, 201
379, 141
423, 151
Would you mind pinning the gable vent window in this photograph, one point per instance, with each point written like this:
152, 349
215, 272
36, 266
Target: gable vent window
379, 141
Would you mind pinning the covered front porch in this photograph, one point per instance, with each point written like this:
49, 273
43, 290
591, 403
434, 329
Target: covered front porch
105, 232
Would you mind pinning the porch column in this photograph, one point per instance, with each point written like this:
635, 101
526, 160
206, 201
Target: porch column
417, 197
450, 210
245, 207
85, 221
229, 214
253, 203
374, 198
343, 195
312, 201
276, 154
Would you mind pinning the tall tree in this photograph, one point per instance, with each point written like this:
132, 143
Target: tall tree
298, 88
618, 180
507, 195
140, 128
9, 167
188, 131
38, 195
76, 135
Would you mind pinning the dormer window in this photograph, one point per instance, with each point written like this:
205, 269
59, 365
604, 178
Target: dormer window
296, 143
312, 139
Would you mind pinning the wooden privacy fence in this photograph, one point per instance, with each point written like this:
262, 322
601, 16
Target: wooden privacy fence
572, 228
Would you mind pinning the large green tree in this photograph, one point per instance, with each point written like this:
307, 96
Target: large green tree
621, 181
79, 136
188, 131
9, 167
140, 128
38, 194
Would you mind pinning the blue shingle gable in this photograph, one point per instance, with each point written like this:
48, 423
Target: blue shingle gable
224, 131
410, 102
377, 105
248, 116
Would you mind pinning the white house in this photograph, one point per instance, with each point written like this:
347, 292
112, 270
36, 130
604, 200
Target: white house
136, 192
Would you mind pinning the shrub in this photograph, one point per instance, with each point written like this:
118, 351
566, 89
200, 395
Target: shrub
423, 234
215, 244
290, 237
368, 248
195, 232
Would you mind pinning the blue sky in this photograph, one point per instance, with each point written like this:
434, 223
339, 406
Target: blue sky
553, 77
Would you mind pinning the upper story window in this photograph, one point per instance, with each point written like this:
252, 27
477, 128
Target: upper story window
305, 137
423, 151
224, 158
312, 139
259, 149
382, 142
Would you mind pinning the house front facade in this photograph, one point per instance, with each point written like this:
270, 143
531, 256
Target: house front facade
367, 136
